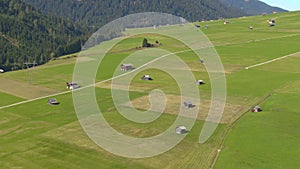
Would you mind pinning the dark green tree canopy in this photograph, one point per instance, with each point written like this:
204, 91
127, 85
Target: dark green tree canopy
28, 35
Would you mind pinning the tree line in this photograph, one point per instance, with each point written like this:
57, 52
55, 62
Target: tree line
27, 35
38, 30
97, 13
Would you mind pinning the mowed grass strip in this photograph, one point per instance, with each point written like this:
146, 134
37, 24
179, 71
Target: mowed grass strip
231, 112
24, 141
49, 136
291, 87
54, 78
24, 90
192, 154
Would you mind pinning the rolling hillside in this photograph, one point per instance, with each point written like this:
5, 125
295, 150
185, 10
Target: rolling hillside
98, 13
252, 7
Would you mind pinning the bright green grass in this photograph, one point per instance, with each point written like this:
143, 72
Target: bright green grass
269, 139
7, 99
37, 135
291, 87
24, 143
254, 82
289, 64
238, 29
248, 54
51, 77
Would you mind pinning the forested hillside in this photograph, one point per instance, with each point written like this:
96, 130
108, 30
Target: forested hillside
46, 29
27, 35
252, 7
97, 13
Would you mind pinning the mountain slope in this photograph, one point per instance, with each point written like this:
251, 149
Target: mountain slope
252, 7
27, 35
98, 13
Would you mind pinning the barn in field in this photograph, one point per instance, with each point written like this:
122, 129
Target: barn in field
256, 109
188, 104
72, 85
126, 67
146, 77
200, 82
181, 130
271, 22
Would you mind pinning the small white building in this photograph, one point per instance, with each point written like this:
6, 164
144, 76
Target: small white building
199, 82
271, 22
146, 77
256, 109
181, 130
1, 71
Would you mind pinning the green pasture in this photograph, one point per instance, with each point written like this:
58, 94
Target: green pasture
251, 53
45, 136
35, 132
7, 99
237, 31
39, 135
269, 139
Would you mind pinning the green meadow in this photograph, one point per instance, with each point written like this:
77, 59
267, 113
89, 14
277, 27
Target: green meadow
38, 135
9, 99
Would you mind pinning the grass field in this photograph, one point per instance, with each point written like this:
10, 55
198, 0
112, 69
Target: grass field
266, 140
9, 99
38, 135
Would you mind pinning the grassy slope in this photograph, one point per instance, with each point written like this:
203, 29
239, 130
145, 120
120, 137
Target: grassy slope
266, 140
50, 137
33, 138
269, 139
7, 99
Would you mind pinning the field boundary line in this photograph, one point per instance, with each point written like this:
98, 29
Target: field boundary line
258, 40
35, 99
270, 61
